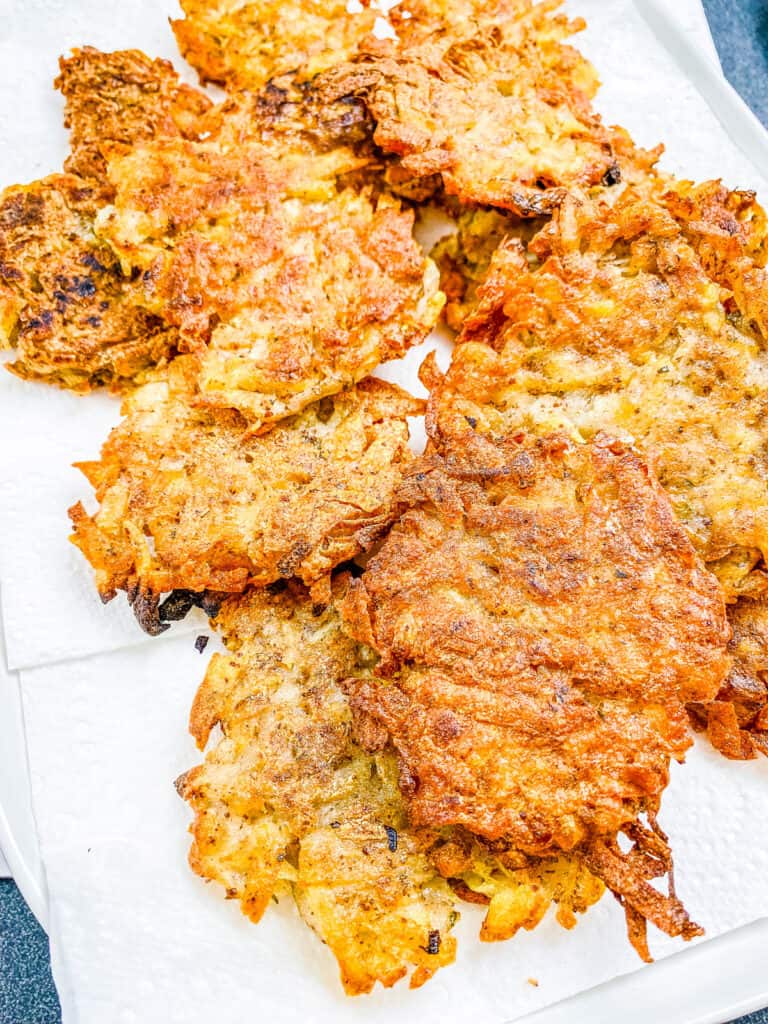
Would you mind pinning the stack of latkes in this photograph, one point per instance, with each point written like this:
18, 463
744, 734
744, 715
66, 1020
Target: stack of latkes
458, 676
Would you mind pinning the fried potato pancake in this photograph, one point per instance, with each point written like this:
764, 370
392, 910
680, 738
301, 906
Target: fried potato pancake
541, 618
64, 304
246, 46
737, 721
191, 499
286, 800
608, 321
287, 287
243, 45
464, 257
566, 562
114, 100
498, 107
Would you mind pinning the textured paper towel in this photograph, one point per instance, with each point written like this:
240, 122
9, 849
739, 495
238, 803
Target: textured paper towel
7, 680
52, 611
18, 835
138, 938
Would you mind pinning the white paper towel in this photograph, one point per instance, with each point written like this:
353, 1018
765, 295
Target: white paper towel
52, 610
18, 834
138, 939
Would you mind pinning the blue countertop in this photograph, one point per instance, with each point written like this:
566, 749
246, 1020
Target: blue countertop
27, 993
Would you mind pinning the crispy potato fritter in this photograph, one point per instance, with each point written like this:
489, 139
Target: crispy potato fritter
288, 288
65, 306
566, 562
541, 619
464, 257
244, 45
190, 499
115, 100
610, 322
498, 107
286, 800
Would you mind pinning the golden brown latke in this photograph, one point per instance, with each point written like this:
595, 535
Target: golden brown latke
287, 287
246, 47
64, 304
464, 257
114, 100
243, 45
537, 587
737, 721
286, 800
610, 322
190, 499
498, 107
541, 618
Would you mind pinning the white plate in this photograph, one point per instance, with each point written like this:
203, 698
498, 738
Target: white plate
708, 984
712, 983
